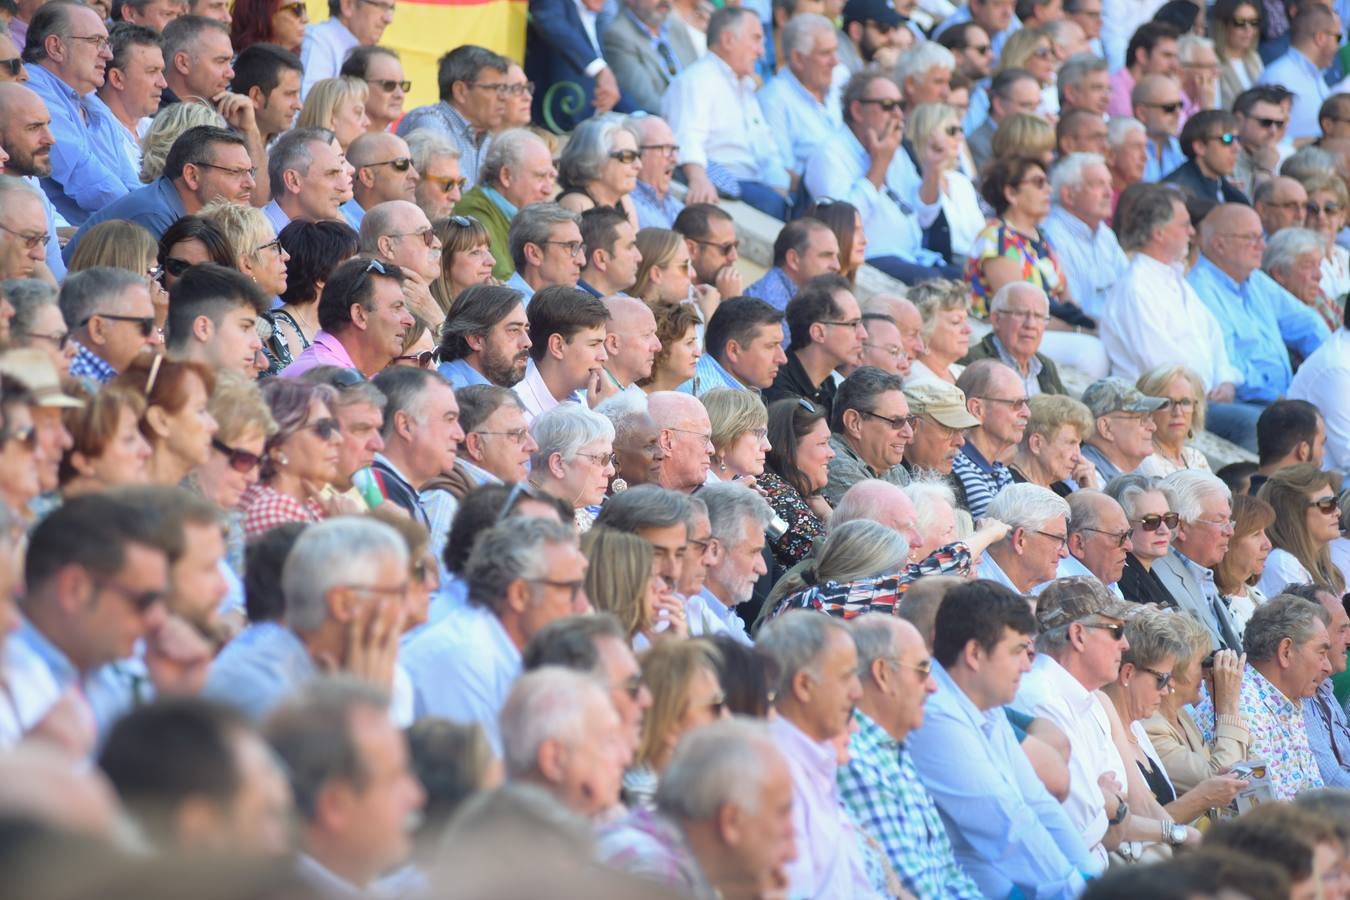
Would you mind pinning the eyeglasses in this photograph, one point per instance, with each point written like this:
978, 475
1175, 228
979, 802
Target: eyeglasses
600, 459
1168, 108
445, 183
1164, 679
142, 600
725, 249
100, 42
1229, 524
299, 10
516, 90
14, 65
700, 545
251, 171
666, 149
60, 339
423, 360
325, 428
428, 237
1039, 182
147, 323
924, 668
388, 85
627, 157
176, 267
890, 350
398, 164
1120, 537
1042, 52
1226, 138
25, 437
851, 323
717, 705
1015, 403
31, 241
1027, 316
573, 248
703, 436
501, 88
572, 587
899, 423
240, 460
1061, 539
515, 435
886, 105
274, 244
1325, 505
1153, 521
1254, 237
1117, 631
1245, 23
1185, 404
1330, 209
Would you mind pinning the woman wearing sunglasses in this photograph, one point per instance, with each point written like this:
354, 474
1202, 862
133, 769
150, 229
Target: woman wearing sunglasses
1307, 520
300, 460
1238, 572
280, 22
1148, 507
1328, 201
1033, 50
466, 258
245, 423
1235, 27
599, 167
1175, 423
177, 420
940, 124
107, 448
189, 241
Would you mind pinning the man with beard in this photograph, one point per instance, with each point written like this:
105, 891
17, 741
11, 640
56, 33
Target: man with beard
486, 339
657, 150
26, 137
869, 35
735, 559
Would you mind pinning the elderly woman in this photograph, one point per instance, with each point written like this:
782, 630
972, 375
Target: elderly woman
575, 458
1148, 508
168, 125
268, 21
796, 471
665, 273
257, 251
740, 434
125, 245
1328, 200
313, 250
621, 580
1175, 736
176, 421
944, 306
599, 167
1175, 423
107, 447
846, 222
1049, 452
338, 104
466, 259
1238, 572
300, 459
935, 515
189, 241
857, 549
940, 123
676, 361
1294, 258
1157, 647
1307, 520
1235, 26
37, 321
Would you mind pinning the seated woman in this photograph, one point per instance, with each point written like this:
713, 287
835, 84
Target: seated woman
268, 21
686, 693
574, 460
853, 551
1307, 520
314, 250
338, 104
940, 123
418, 348
745, 674
300, 459
846, 222
189, 241
1033, 50
466, 259
1236, 27
257, 251
674, 364
177, 421
1148, 508
599, 167
125, 245
167, 126
1328, 210
1049, 453
107, 447
1238, 573
796, 471
1294, 258
1175, 423
665, 275
620, 580
944, 306
740, 434
1026, 135
454, 762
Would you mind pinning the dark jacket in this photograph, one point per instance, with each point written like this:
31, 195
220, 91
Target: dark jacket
1048, 379
792, 381
1189, 177
557, 51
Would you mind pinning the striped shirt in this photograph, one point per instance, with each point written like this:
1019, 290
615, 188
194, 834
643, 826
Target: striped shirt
981, 479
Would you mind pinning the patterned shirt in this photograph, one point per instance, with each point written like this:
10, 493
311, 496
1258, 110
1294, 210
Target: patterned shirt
1279, 736
774, 288
882, 792
651, 847
881, 593
89, 366
804, 526
445, 119
265, 508
1039, 265
654, 211
981, 478
1328, 735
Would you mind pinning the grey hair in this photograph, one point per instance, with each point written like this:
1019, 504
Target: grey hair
182, 34
794, 641
1004, 295
921, 57
1027, 506
583, 159
18, 186
860, 549
1153, 637
1189, 44
728, 18
405, 388
644, 506
1078, 67
1068, 172
925, 493
84, 293
292, 153
625, 411
334, 553
1307, 162
379, 221
799, 34
548, 704
1154, 206
874, 635
514, 549
506, 149
1085, 509
532, 226
1189, 489
1281, 617
1286, 246
565, 430
425, 145
730, 505
1329, 803
27, 296
1119, 128
979, 377
720, 763
865, 499
1127, 489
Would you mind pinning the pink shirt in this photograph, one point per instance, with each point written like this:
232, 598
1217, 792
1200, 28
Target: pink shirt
325, 350
1122, 83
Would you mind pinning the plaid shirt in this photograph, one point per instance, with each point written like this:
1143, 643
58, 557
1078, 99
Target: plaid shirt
265, 508
89, 366
882, 792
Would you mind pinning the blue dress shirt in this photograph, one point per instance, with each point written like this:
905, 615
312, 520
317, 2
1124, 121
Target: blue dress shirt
799, 121
1172, 156
709, 374
1303, 79
518, 282
259, 668
461, 374
654, 211
774, 288
1328, 736
324, 50
154, 207
353, 213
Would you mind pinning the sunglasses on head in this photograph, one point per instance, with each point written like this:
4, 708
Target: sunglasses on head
1325, 505
1154, 521
241, 461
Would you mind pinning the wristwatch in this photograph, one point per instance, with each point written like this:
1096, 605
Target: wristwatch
1175, 834
1121, 812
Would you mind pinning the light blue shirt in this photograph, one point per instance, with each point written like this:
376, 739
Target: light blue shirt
709, 374
518, 282
259, 668
353, 212
276, 215
1172, 156
325, 49
799, 121
962, 16
501, 202
653, 211
127, 141
1258, 319
1297, 73
89, 169
452, 598
1091, 259
461, 374
708, 615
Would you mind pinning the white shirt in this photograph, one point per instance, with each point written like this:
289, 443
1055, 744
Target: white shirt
325, 49
1154, 317
1297, 73
965, 219
1324, 381
28, 690
799, 121
1282, 569
534, 396
708, 615
1120, 20
1092, 260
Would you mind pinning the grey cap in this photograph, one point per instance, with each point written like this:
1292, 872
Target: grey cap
1112, 395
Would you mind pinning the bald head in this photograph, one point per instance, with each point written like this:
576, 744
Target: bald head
878, 501
907, 319
24, 131
630, 338
671, 409
1281, 202
42, 782
1231, 237
685, 436
384, 169
389, 218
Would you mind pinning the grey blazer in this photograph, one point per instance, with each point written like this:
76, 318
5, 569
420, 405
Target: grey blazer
1182, 584
642, 75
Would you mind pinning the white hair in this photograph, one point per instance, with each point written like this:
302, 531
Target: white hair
1190, 488
1068, 172
799, 34
794, 641
335, 553
1004, 295
720, 763
1119, 128
1027, 506
926, 494
566, 429
624, 411
548, 704
920, 58
1285, 246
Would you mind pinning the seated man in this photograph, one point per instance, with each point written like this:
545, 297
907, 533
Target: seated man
546, 248
645, 53
924, 73
685, 439
384, 171
1324, 718
1152, 51
1289, 432
308, 174
1084, 84
441, 184
1036, 541
269, 76
1210, 143
612, 258
803, 249
1099, 538
517, 171
1016, 836
1080, 131
941, 418
350, 24
995, 396
421, 433
1281, 202
737, 517
1324, 377
213, 318
710, 236
1123, 427
398, 234
486, 338
567, 349
471, 82
111, 320
363, 316
630, 343
869, 35
1262, 118
743, 347
870, 426
359, 410
800, 103
131, 85
1079, 228
638, 453
1156, 103
23, 230
825, 331
496, 446
1314, 39
726, 144
656, 206
1200, 541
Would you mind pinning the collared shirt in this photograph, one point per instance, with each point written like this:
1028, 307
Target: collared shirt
709, 374
654, 211
154, 207
1324, 379
717, 119
127, 140
1296, 72
29, 687
829, 859
799, 121
1328, 735
1260, 322
445, 119
774, 288
462, 669
399, 490
1155, 317
353, 212
326, 883
1120, 20
89, 366
461, 374
1091, 259
793, 381
1122, 86
89, 169
652, 847
324, 350
1006, 830
1106, 470
506, 206
1279, 734
276, 215
707, 615
55, 220
1031, 375
325, 49
1051, 692
962, 16
439, 507
535, 396
1157, 166
981, 478
258, 668
990, 570
518, 282
882, 792
848, 468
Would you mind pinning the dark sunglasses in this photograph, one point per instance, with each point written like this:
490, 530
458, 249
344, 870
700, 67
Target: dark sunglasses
1246, 23
725, 249
627, 157
388, 85
14, 65
299, 10
240, 460
325, 428
1271, 123
147, 323
446, 183
886, 105
423, 360
400, 164
1153, 521
175, 267
1325, 505
1330, 209
952, 130
1168, 108
1163, 678
1116, 631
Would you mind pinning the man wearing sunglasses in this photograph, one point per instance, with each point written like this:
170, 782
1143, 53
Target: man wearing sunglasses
397, 232
111, 319
870, 427
384, 171
213, 318
1263, 117
1157, 104
1315, 37
11, 61
1209, 140
441, 184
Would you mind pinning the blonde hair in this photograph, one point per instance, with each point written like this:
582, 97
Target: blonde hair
1019, 46
733, 413
926, 119
938, 295
1329, 182
168, 125
238, 406
1050, 412
1024, 134
1154, 383
620, 566
658, 247
245, 227
324, 98
668, 670
1287, 493
117, 243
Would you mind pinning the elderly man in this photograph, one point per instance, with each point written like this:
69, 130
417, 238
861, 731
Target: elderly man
645, 53
803, 249
1152, 51
1019, 312
941, 418
685, 440
726, 143
522, 575
485, 338
743, 347
1288, 648
1099, 538
1122, 435
132, 84
23, 230
864, 164
817, 688
1126, 154
1084, 84
883, 348
870, 426
908, 321
880, 787
1322, 377
436, 160
725, 816
350, 24
471, 82
1156, 102
1011, 91
517, 171
496, 446
1209, 141
1324, 718
546, 249
355, 789
421, 432
1079, 228
363, 316
1008, 832
111, 320
824, 332
1281, 202
1036, 541
737, 517
656, 206
397, 233
630, 343
995, 396
213, 318
340, 572
1315, 37
800, 104
1204, 504
1262, 119
611, 256
924, 72
309, 177
384, 171
567, 349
